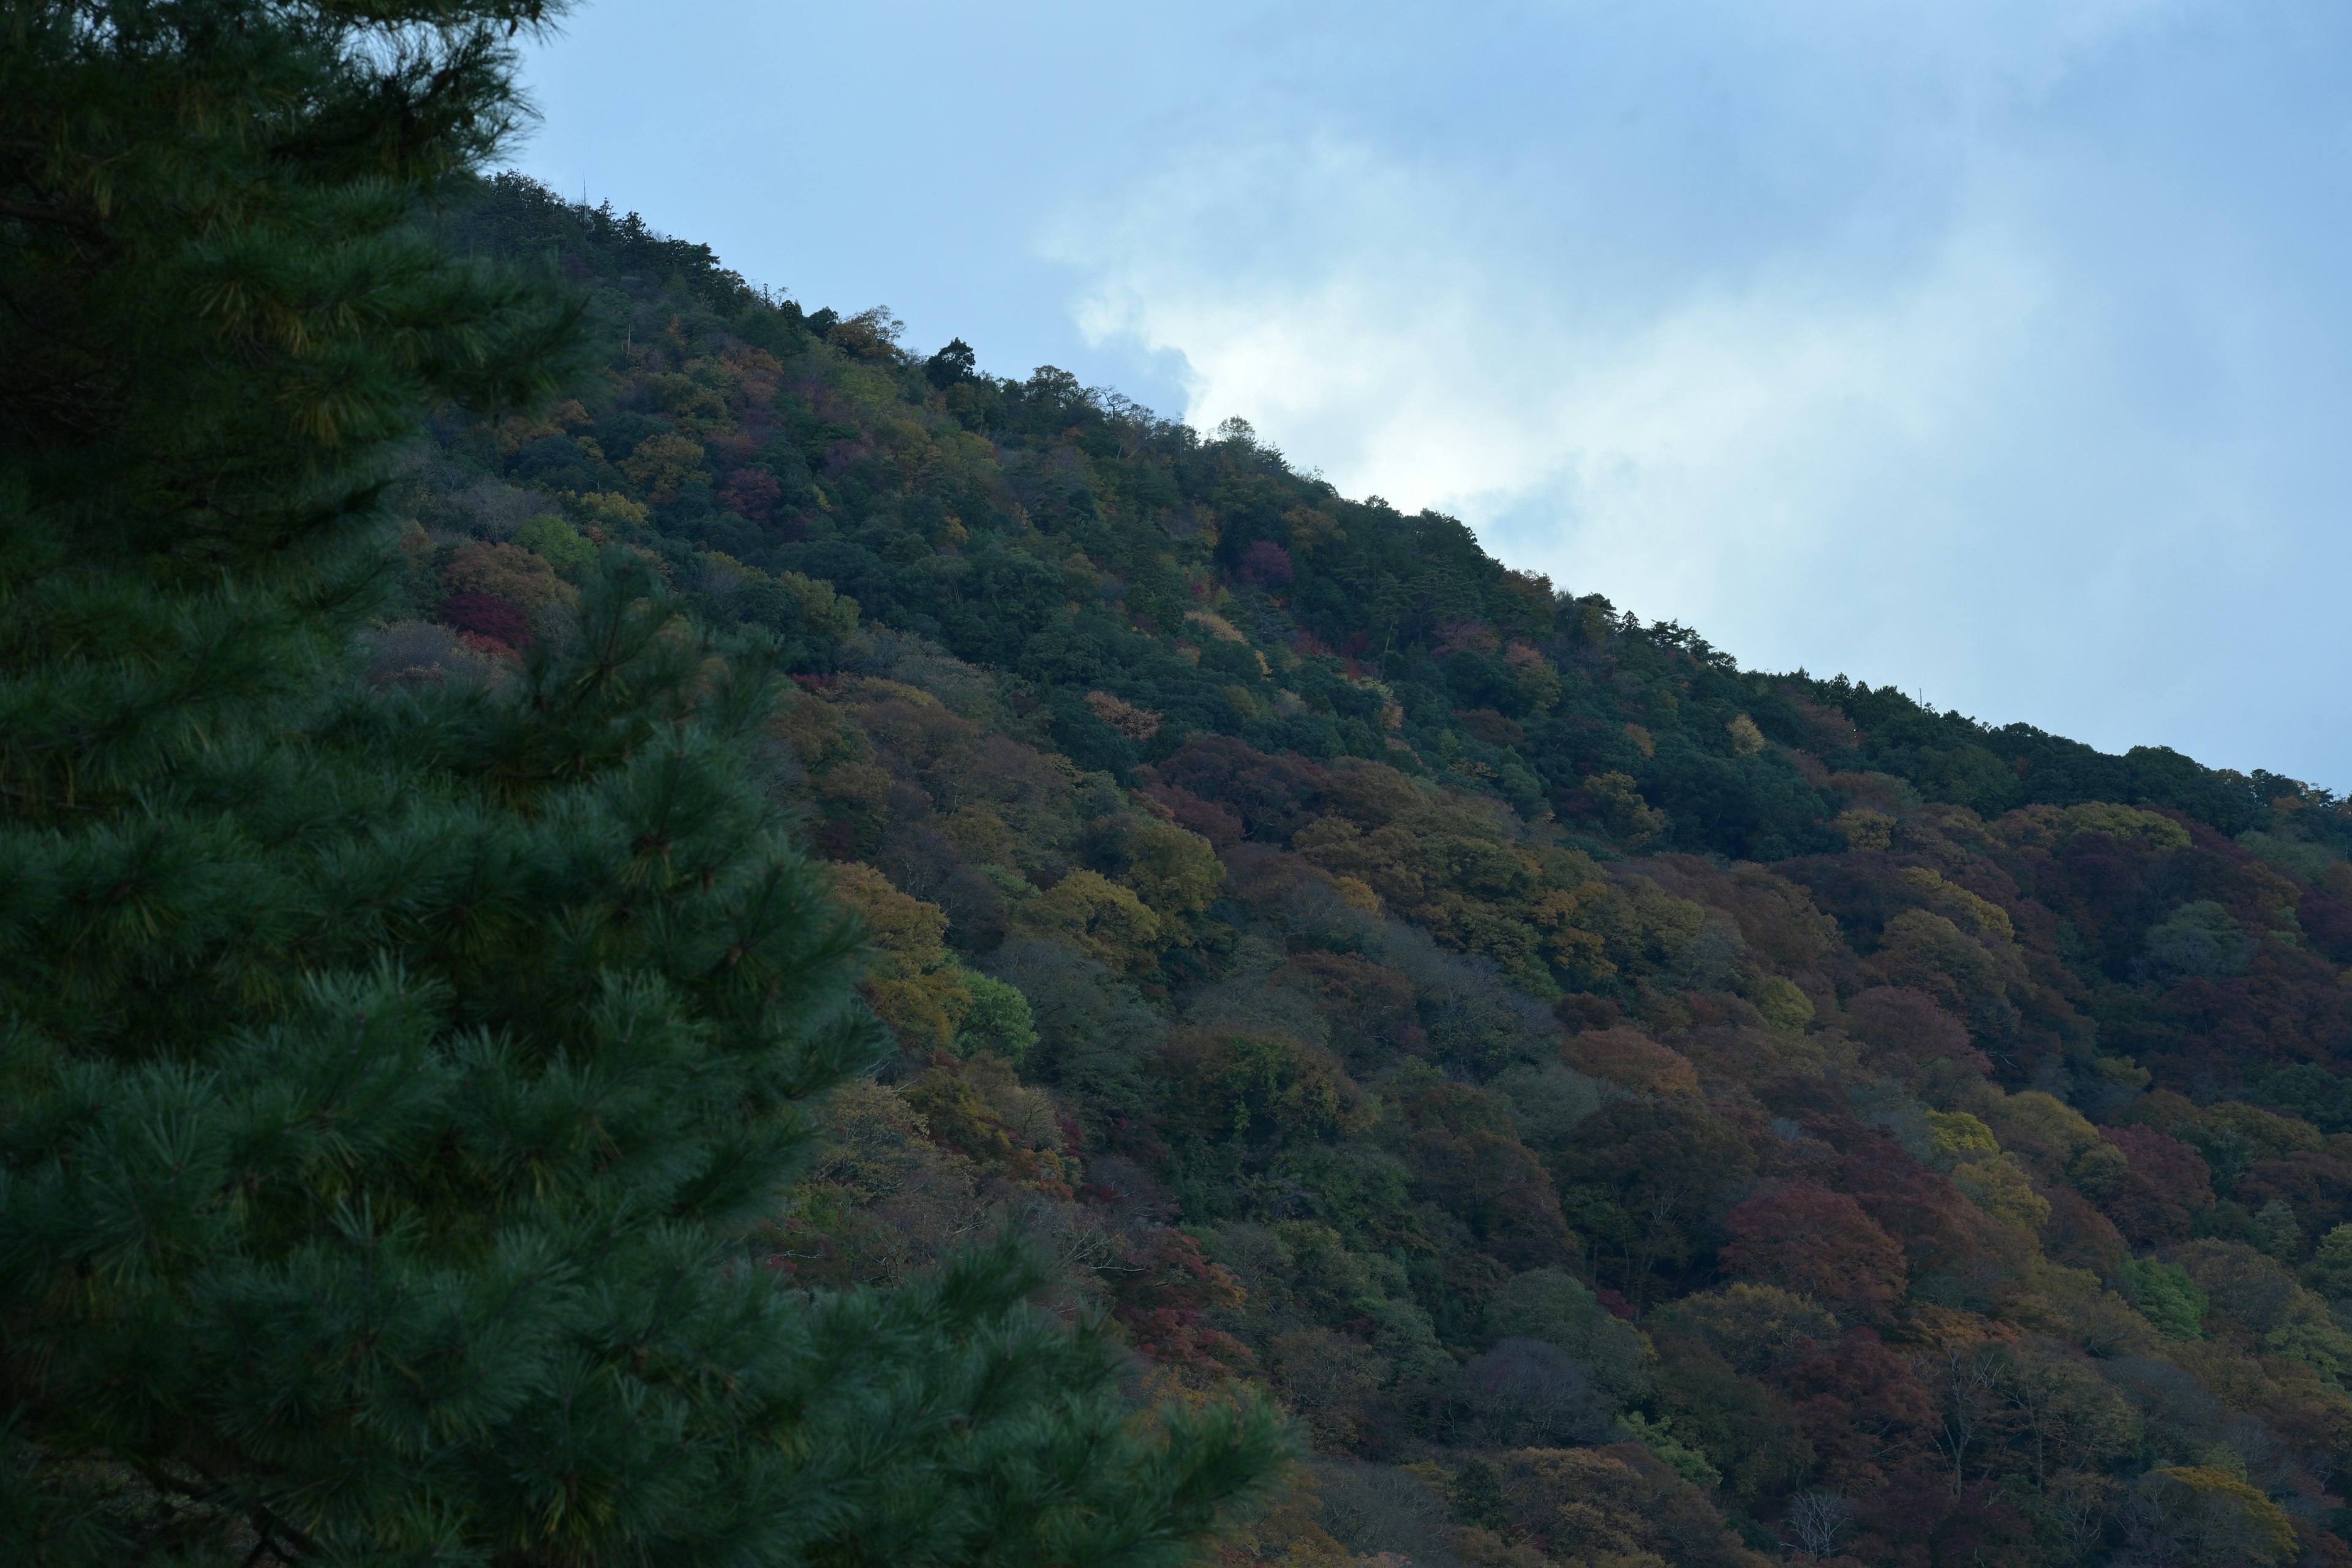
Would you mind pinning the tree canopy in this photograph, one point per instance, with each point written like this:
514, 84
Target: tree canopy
1567, 1070
399, 1076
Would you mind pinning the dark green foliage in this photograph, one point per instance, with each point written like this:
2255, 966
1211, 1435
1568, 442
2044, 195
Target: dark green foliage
222, 309
390, 1078
2321, 1097
1093, 1034
1477, 1495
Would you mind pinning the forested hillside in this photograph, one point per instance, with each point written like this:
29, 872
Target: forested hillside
1629, 1108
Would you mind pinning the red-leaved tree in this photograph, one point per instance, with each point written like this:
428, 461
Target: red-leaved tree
1164, 1291
1863, 1409
487, 615
1265, 563
2167, 1182
1807, 1238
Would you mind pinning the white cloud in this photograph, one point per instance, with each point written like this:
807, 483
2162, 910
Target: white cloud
1689, 457
1891, 346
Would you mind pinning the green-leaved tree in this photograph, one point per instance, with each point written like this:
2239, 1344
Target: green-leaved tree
390, 1078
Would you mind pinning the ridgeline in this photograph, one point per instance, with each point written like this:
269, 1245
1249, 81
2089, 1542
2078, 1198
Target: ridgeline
1620, 1103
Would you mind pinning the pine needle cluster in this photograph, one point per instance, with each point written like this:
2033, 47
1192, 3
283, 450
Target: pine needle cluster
390, 1076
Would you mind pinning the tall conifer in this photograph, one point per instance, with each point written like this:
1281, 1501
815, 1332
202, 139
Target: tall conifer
387, 1078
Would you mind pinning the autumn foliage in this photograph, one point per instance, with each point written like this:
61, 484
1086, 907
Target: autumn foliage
1816, 1243
1629, 1108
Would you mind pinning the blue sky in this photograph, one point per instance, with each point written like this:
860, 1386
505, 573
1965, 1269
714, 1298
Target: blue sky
2001, 351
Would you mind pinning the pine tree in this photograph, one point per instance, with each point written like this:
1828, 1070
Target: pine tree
389, 1078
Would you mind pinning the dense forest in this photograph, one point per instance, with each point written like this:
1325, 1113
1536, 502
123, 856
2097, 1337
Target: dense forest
1627, 1108
400, 1079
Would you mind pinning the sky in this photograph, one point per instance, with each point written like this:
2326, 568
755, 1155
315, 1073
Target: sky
2001, 350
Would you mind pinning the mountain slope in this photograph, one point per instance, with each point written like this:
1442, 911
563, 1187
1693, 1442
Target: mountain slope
1622, 1103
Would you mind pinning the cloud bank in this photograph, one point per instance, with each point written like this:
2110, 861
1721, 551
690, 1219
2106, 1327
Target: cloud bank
1922, 346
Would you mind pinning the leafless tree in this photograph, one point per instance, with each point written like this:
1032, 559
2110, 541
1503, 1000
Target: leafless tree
1966, 1380
1528, 1391
1819, 1520
2083, 1506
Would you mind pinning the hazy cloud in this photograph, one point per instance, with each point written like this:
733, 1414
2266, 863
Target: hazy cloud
1944, 404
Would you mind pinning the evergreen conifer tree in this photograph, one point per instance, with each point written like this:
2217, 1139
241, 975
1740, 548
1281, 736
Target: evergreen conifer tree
388, 1078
